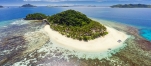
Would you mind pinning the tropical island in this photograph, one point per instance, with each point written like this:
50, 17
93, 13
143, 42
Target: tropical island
72, 24
28, 5
1, 6
131, 6
76, 31
76, 25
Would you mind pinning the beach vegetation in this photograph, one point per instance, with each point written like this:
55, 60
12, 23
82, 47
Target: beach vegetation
35, 16
76, 25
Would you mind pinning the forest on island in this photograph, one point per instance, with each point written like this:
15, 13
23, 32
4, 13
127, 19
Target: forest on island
76, 25
72, 24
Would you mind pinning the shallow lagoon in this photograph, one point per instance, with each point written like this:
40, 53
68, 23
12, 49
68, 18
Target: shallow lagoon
15, 26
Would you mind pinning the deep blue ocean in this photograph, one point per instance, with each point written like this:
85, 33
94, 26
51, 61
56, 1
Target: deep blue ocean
137, 17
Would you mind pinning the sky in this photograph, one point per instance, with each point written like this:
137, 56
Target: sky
72, 2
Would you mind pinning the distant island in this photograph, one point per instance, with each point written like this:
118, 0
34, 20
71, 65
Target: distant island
73, 24
131, 6
1, 6
28, 5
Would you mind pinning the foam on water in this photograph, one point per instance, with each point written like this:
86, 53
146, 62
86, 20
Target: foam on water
20, 22
26, 62
52, 49
4, 24
87, 55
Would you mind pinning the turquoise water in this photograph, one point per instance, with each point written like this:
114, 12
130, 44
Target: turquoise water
146, 33
137, 17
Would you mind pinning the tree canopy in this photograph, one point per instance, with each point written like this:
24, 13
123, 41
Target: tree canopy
70, 18
35, 16
76, 25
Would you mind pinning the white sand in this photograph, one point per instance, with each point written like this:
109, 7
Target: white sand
100, 44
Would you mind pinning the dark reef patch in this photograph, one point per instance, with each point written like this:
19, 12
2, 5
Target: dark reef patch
10, 47
144, 44
12, 42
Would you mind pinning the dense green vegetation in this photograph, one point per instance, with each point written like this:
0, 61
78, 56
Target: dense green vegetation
28, 5
73, 24
76, 25
35, 16
70, 18
131, 6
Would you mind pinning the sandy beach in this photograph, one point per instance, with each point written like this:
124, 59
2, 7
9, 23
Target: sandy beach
101, 44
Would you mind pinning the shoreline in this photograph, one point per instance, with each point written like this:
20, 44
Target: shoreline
101, 44
135, 47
